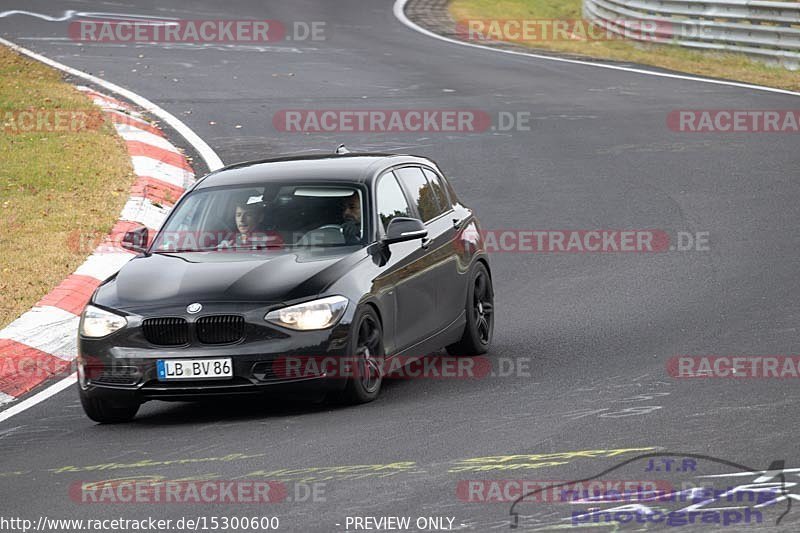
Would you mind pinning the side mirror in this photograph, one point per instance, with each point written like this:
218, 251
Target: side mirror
136, 240
403, 229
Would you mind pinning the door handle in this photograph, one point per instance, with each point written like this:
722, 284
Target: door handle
457, 223
426, 243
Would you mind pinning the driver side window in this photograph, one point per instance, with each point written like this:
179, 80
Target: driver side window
391, 201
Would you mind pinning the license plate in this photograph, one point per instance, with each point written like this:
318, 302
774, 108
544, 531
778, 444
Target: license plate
169, 369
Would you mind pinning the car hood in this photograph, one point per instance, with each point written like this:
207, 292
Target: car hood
167, 280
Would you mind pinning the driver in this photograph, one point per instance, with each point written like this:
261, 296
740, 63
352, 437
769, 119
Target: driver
248, 217
351, 215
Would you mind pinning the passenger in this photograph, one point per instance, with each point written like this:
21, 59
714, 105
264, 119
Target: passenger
351, 216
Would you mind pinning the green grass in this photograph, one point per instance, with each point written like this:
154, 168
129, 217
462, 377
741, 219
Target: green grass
56, 189
717, 65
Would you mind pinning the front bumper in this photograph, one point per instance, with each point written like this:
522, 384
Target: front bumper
123, 365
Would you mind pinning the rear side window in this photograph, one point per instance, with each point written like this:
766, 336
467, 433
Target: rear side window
438, 188
391, 200
421, 192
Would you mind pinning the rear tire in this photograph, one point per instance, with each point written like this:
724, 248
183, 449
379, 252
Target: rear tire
365, 349
480, 315
104, 412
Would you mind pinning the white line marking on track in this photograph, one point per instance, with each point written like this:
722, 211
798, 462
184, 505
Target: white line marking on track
212, 160
220, 47
39, 397
142, 210
100, 102
129, 117
101, 265
149, 20
153, 168
399, 13
132, 133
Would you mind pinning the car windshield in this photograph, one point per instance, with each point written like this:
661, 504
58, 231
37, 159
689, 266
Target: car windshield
267, 217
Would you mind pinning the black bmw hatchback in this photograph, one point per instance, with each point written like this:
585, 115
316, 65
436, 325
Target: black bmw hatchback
266, 266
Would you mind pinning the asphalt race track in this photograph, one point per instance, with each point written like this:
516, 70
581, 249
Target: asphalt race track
587, 336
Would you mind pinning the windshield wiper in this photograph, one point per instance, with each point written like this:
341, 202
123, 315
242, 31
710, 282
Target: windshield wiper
184, 250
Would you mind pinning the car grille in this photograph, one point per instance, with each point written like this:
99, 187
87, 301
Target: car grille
220, 329
166, 331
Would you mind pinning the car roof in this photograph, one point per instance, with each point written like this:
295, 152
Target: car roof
352, 167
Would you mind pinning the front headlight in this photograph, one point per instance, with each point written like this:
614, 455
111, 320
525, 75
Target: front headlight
98, 323
317, 314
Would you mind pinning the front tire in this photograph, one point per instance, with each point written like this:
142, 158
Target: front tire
366, 347
105, 412
479, 309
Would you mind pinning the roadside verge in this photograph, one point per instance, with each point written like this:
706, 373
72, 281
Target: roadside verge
41, 344
432, 18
